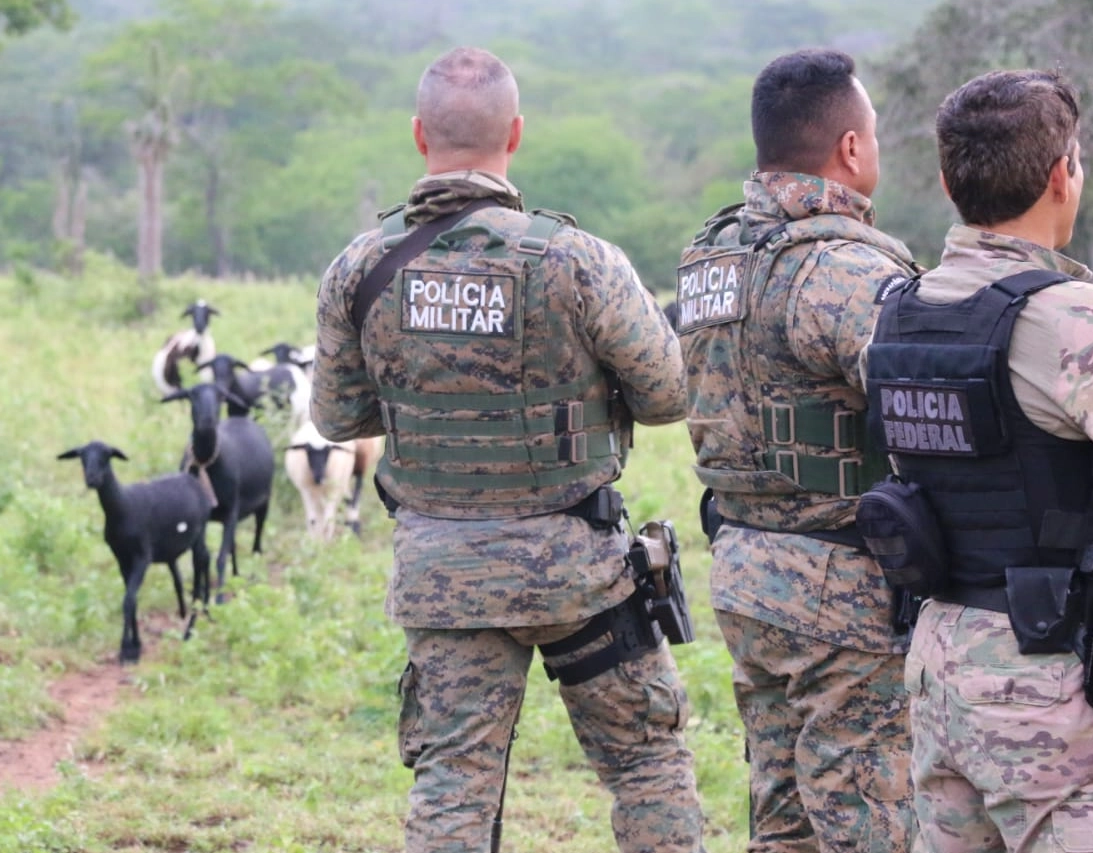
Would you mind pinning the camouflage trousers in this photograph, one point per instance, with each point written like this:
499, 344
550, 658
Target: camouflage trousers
828, 738
461, 696
1003, 742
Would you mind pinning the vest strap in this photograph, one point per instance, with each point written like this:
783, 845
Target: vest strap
824, 424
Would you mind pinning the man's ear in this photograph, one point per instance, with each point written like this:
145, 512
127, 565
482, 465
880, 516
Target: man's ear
419, 136
848, 152
516, 134
1058, 179
944, 184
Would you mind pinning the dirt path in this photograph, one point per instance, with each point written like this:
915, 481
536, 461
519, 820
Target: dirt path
85, 698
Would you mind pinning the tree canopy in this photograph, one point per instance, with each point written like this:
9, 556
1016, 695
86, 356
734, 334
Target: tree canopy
21, 16
283, 127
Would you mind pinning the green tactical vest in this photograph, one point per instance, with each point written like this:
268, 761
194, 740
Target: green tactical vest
809, 438
491, 405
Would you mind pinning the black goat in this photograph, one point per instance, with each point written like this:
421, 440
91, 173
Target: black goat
150, 522
244, 389
234, 458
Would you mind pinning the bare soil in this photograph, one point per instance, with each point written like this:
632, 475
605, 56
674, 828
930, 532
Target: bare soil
85, 697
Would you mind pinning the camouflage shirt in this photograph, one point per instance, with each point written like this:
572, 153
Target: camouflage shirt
1052, 344
533, 568
799, 337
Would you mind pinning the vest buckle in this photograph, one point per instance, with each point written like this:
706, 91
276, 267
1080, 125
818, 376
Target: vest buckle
783, 424
785, 462
849, 469
844, 431
573, 448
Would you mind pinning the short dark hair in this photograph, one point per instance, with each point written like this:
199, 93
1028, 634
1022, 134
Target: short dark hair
998, 136
801, 105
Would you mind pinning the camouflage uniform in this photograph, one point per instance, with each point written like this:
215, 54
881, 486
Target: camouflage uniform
817, 667
479, 580
1003, 742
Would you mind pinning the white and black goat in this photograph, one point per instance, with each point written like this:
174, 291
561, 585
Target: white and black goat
195, 344
367, 452
283, 382
286, 381
156, 521
321, 471
233, 458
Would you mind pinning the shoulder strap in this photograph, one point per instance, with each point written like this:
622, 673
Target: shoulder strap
1024, 283
415, 242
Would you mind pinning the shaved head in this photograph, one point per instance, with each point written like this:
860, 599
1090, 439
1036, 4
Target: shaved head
466, 102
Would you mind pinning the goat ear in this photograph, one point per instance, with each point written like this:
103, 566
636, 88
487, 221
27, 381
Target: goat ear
180, 394
296, 447
212, 310
241, 364
117, 454
70, 454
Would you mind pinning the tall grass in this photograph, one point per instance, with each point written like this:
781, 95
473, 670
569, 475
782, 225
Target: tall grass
273, 729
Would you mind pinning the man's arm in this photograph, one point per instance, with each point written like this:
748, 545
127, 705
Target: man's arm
630, 335
344, 404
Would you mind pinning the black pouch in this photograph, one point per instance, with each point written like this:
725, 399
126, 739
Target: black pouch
901, 530
1045, 605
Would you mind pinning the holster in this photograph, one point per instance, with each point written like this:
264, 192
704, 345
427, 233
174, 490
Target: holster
654, 558
632, 632
1046, 606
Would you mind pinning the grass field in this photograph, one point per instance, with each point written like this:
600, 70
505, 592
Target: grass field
273, 729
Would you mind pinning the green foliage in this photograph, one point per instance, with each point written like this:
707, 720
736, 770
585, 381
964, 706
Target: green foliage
20, 16
292, 118
274, 726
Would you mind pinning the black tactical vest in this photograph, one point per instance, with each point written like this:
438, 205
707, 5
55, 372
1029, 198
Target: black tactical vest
1006, 492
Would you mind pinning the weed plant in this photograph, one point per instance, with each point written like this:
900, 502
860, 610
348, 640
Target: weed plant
273, 728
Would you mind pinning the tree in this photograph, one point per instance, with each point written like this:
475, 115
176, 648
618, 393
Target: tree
151, 137
960, 39
21, 16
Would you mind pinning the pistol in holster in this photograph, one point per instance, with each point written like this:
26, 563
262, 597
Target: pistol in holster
654, 557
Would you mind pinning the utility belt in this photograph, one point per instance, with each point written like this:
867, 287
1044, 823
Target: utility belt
602, 509
904, 604
1050, 608
712, 520
655, 610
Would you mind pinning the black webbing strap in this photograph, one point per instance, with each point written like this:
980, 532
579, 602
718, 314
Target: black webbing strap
415, 242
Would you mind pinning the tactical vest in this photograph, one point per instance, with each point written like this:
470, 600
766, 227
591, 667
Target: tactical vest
491, 404
794, 433
941, 400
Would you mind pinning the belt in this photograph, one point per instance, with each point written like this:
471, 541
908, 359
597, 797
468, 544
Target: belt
985, 597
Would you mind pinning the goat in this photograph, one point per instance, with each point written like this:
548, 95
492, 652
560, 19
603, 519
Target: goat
148, 522
367, 452
233, 458
243, 389
284, 382
195, 344
287, 382
321, 470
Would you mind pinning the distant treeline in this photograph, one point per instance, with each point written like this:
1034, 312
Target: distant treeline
245, 138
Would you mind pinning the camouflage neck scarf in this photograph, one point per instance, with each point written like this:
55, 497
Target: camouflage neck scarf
801, 195
435, 195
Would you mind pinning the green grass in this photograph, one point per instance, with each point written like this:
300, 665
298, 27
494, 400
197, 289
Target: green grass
273, 729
